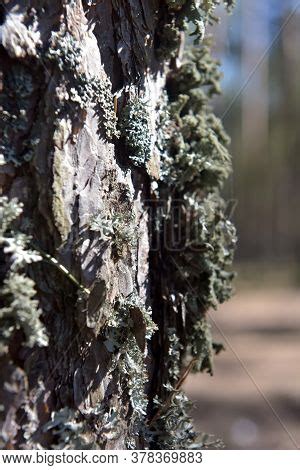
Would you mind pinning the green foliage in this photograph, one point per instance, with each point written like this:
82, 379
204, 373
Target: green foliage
20, 310
134, 126
81, 91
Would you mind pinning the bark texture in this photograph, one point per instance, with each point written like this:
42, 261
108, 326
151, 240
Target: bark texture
83, 108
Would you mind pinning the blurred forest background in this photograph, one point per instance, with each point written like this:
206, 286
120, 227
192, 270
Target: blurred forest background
253, 401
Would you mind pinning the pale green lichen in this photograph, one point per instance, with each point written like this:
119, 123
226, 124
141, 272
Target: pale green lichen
126, 334
81, 91
181, 14
65, 50
110, 424
118, 229
69, 431
173, 358
195, 163
201, 346
20, 309
172, 426
17, 142
197, 154
135, 129
130, 317
173, 429
102, 224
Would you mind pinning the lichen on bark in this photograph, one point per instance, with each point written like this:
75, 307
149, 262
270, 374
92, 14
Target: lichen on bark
107, 135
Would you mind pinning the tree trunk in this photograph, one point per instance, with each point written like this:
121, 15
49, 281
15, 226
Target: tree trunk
91, 105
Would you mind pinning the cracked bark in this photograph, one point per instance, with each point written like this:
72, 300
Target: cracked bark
74, 174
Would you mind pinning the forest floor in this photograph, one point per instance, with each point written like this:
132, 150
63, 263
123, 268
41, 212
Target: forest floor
253, 399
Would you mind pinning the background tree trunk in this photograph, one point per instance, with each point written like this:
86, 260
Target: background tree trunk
69, 70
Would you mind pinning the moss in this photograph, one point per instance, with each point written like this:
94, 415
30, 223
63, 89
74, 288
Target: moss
134, 127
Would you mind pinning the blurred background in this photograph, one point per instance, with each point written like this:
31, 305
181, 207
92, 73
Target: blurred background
253, 400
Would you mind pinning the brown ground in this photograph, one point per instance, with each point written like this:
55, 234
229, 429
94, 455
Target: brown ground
253, 400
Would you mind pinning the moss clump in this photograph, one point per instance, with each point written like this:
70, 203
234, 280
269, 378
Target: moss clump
134, 126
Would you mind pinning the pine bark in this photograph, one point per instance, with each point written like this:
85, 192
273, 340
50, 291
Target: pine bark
69, 71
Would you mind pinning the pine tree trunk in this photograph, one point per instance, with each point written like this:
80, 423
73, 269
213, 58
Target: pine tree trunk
76, 371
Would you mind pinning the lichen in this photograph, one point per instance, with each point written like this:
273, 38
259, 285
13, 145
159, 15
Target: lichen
180, 15
173, 429
195, 163
173, 357
118, 229
197, 153
17, 142
78, 90
69, 431
20, 32
126, 334
134, 127
20, 309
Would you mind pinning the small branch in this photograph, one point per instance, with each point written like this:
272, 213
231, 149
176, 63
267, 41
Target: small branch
61, 268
